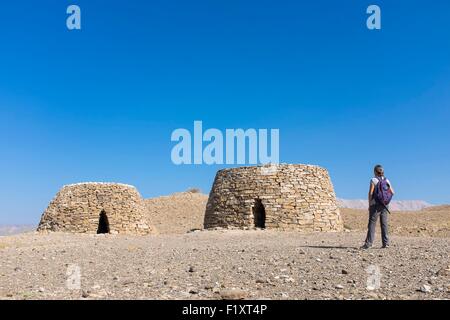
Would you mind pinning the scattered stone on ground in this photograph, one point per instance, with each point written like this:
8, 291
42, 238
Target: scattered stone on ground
260, 264
232, 264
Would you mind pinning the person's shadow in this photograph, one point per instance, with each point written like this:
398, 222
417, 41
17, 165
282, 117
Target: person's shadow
329, 247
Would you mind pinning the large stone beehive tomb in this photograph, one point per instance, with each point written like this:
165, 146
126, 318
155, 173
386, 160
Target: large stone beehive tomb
96, 208
283, 197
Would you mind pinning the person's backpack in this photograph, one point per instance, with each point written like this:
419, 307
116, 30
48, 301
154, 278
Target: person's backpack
383, 194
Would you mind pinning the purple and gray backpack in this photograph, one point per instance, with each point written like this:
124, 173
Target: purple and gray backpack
383, 194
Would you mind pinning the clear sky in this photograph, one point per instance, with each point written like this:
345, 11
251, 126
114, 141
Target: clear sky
100, 104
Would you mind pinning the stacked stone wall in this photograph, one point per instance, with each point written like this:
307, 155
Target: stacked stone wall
77, 208
294, 197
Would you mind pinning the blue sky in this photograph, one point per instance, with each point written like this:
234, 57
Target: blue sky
100, 104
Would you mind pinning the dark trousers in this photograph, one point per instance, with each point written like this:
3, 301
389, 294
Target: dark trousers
376, 211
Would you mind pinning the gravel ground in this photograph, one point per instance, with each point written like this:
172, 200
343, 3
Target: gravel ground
222, 264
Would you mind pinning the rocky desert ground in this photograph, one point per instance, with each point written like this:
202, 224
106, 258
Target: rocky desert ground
185, 262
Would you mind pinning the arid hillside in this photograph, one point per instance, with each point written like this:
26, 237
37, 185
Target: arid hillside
433, 221
184, 211
178, 212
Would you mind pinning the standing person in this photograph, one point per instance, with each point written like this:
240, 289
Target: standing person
380, 194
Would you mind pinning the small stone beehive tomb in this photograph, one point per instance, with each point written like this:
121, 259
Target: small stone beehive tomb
284, 197
96, 208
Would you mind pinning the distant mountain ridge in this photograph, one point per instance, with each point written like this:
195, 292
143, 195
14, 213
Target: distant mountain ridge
8, 230
396, 205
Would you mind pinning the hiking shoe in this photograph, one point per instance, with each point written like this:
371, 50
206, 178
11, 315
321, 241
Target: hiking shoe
385, 246
365, 247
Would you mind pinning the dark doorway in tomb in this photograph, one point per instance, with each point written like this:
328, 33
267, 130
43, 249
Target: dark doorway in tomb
103, 223
259, 214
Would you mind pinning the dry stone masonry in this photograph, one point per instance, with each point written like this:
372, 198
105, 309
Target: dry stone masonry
96, 208
283, 197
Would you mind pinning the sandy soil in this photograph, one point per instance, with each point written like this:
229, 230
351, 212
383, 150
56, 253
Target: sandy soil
213, 264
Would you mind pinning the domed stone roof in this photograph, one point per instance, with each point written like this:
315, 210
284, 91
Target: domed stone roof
95, 207
285, 197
